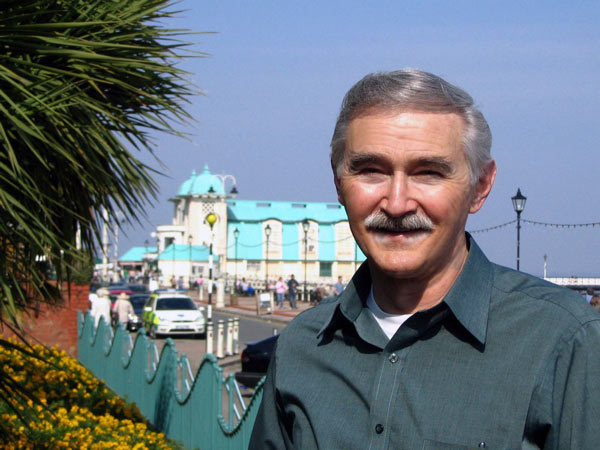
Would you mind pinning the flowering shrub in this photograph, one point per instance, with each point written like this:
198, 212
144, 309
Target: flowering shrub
77, 411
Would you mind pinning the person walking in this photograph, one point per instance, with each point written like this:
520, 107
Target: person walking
101, 307
292, 291
339, 286
280, 289
123, 308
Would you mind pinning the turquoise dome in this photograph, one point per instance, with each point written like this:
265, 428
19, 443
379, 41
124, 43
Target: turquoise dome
200, 184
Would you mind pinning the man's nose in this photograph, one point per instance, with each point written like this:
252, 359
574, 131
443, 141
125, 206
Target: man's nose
398, 199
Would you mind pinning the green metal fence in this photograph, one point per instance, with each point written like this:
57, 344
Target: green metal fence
186, 408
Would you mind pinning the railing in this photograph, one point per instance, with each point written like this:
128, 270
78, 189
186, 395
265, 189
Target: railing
188, 409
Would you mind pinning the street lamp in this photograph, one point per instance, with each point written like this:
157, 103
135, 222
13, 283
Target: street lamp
236, 235
190, 239
519, 205
210, 219
305, 226
267, 234
173, 265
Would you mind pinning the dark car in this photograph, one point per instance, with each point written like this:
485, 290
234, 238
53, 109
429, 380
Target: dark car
255, 361
133, 287
137, 301
138, 288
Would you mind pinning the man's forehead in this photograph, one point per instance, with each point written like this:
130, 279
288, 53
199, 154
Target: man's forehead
411, 118
414, 130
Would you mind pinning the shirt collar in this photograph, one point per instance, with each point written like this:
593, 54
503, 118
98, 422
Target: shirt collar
468, 298
352, 299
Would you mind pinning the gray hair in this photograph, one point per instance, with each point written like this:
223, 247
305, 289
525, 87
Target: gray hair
413, 89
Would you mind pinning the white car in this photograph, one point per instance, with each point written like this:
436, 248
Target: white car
169, 313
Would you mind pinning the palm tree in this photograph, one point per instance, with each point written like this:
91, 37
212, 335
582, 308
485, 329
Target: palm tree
83, 83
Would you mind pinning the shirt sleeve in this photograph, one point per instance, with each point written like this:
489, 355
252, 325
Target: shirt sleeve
576, 392
270, 429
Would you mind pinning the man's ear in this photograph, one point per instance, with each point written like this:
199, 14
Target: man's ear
338, 185
483, 187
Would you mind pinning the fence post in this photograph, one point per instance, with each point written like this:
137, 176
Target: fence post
236, 335
220, 326
209, 337
229, 346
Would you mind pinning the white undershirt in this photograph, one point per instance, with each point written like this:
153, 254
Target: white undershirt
389, 323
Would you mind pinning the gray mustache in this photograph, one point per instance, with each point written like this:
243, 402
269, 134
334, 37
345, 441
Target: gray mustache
409, 222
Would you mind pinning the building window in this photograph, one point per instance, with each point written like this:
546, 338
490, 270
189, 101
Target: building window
169, 241
253, 266
325, 269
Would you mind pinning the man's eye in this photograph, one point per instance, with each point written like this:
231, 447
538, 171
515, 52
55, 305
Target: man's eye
430, 173
368, 170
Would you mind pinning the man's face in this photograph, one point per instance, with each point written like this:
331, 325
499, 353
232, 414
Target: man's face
409, 165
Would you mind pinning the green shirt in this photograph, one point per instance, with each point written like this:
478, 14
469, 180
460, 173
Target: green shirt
505, 361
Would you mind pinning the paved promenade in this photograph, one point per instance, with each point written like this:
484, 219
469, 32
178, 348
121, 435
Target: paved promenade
247, 307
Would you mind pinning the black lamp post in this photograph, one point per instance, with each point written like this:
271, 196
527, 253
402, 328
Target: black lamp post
190, 239
211, 219
267, 235
305, 226
519, 205
236, 235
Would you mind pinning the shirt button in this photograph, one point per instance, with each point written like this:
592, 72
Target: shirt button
393, 358
378, 428
482, 445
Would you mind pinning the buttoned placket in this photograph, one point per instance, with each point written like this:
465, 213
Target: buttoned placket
386, 393
393, 357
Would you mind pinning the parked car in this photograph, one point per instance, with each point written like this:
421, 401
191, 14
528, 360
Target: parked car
170, 313
255, 361
138, 301
115, 290
138, 288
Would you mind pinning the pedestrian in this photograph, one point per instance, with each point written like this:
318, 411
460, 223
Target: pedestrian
123, 308
430, 345
101, 307
292, 291
244, 286
92, 297
339, 286
280, 289
153, 284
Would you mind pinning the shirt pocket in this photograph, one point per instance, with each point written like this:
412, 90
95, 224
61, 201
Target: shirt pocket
429, 444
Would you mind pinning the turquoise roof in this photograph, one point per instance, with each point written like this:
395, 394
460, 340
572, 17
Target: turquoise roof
252, 210
181, 252
137, 253
200, 184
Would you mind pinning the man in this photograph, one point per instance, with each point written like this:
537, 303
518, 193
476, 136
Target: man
430, 345
339, 286
101, 307
123, 308
292, 291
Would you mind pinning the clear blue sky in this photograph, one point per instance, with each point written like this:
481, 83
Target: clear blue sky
277, 72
